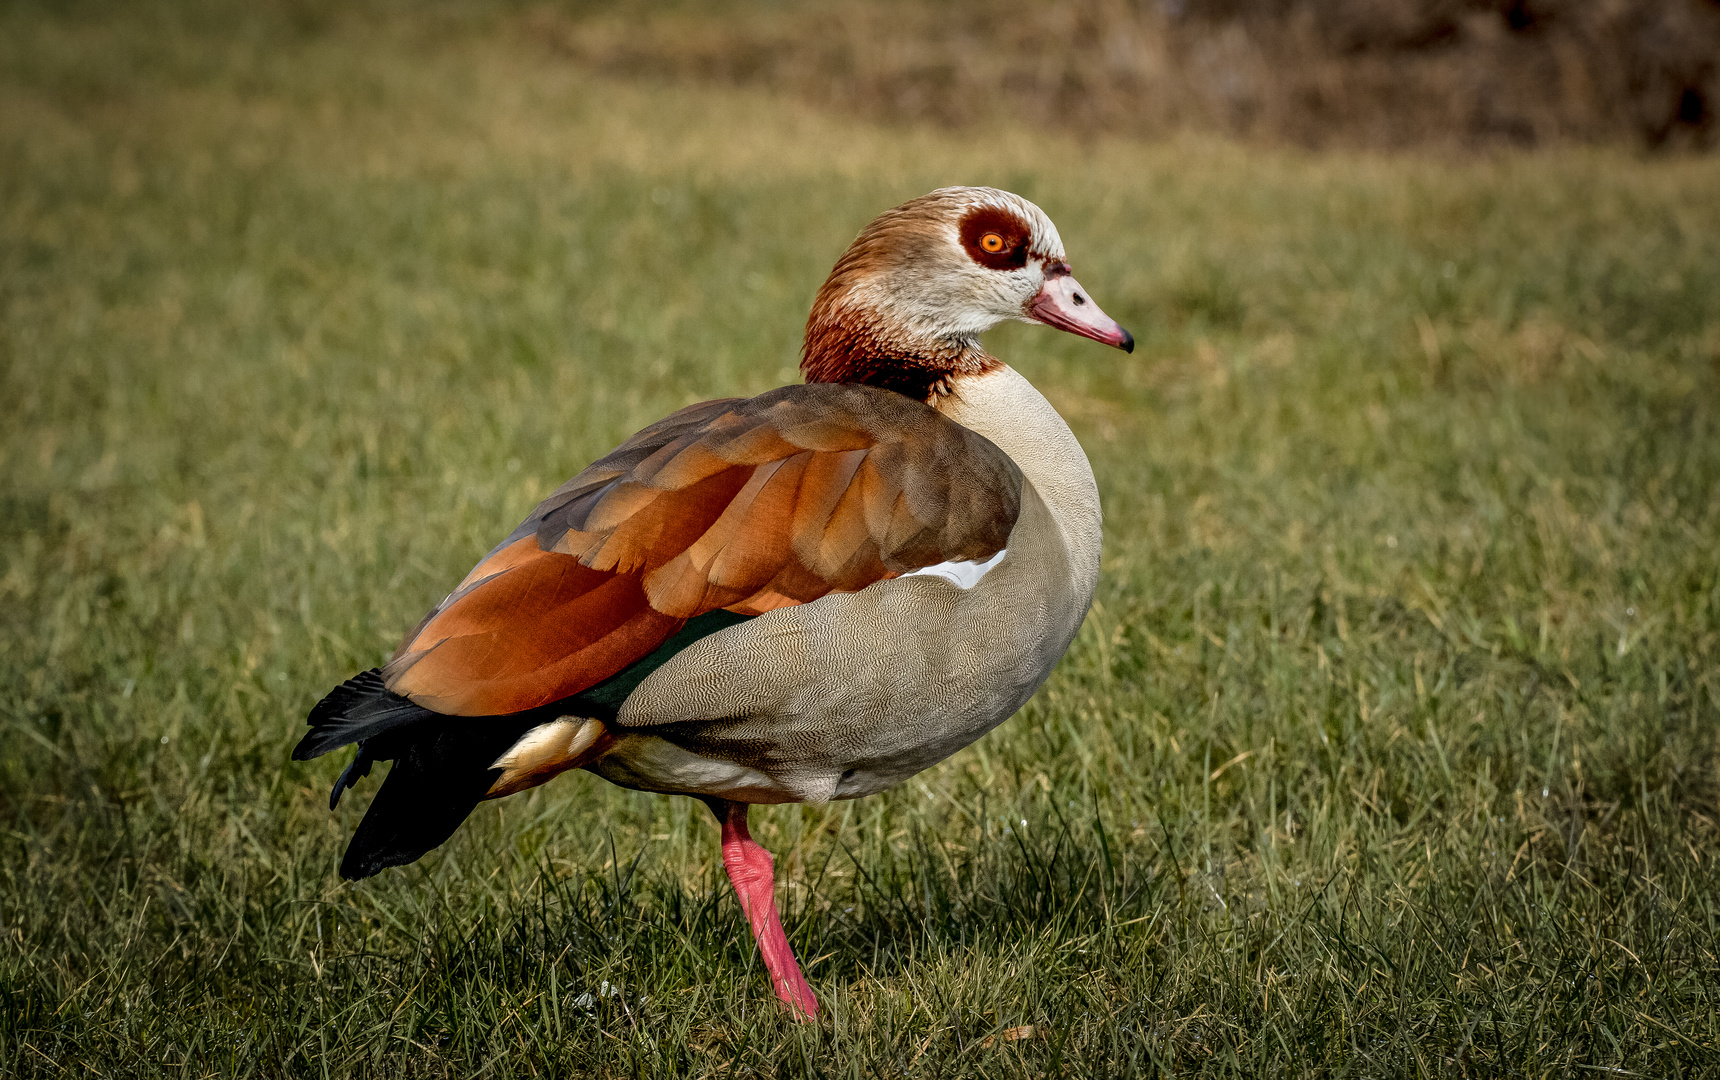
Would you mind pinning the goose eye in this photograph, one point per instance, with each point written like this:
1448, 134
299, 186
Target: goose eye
991, 242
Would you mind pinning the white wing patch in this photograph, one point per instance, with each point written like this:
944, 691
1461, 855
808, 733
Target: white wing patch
963, 575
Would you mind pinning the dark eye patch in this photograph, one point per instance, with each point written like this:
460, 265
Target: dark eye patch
990, 219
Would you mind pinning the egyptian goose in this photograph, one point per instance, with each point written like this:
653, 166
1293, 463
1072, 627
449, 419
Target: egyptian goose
807, 595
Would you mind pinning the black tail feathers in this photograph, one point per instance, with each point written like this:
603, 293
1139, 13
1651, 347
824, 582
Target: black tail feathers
358, 709
442, 767
441, 772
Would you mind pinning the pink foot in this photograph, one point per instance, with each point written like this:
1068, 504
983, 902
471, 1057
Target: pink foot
753, 875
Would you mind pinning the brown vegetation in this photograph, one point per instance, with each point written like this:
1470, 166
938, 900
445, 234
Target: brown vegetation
1311, 72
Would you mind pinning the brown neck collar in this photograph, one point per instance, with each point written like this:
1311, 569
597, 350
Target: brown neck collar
847, 343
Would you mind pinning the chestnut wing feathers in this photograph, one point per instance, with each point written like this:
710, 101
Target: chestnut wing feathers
740, 504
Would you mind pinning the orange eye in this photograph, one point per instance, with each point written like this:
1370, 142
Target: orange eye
991, 242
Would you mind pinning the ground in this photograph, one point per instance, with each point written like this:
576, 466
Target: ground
1390, 747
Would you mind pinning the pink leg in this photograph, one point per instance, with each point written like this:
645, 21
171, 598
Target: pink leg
753, 875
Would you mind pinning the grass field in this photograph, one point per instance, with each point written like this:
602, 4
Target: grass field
1391, 746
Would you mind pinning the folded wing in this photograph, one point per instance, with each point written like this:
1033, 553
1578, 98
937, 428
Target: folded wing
740, 504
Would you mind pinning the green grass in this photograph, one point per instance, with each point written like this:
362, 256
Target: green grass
1391, 747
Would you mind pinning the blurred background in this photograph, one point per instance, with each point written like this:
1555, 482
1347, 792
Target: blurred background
1381, 73
1390, 747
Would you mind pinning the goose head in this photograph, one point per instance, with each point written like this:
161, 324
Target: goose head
906, 303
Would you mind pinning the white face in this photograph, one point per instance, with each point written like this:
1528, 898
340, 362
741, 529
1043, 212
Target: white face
946, 267
980, 257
